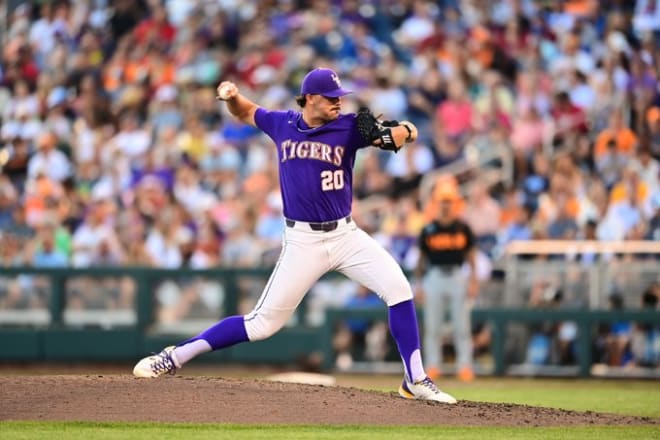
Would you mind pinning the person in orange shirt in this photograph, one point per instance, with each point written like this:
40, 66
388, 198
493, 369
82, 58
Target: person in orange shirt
580, 8
630, 187
613, 148
625, 139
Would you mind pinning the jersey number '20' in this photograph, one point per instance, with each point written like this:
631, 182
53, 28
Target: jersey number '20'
332, 180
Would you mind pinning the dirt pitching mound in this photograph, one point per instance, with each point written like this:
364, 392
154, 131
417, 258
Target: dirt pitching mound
122, 398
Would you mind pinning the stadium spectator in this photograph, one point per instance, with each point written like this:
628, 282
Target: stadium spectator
482, 213
360, 339
569, 120
96, 236
617, 138
454, 119
43, 248
644, 341
653, 129
48, 161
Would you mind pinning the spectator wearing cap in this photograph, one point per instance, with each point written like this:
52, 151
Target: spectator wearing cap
446, 245
444, 184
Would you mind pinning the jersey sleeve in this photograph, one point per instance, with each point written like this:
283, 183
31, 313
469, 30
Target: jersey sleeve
270, 121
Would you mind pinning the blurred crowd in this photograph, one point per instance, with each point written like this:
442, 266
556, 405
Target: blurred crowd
114, 150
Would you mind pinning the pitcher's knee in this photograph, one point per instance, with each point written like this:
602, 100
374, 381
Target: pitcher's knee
397, 293
260, 326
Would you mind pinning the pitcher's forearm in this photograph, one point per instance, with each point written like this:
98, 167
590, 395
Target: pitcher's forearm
238, 105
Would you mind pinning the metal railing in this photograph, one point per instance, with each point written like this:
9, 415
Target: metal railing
587, 272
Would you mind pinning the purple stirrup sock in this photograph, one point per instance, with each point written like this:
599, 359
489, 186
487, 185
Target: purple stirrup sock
228, 332
403, 325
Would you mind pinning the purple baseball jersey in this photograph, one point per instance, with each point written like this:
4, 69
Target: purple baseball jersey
316, 164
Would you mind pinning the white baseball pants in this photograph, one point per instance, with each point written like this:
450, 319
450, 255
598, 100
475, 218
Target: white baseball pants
306, 255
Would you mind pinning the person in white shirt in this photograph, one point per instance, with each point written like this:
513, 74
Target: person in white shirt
95, 237
648, 169
49, 160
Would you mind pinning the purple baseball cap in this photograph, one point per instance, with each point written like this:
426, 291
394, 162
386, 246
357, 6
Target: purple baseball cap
322, 81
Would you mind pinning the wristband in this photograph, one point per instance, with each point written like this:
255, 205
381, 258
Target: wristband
409, 138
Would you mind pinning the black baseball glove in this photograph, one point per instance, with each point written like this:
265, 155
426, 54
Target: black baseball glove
372, 130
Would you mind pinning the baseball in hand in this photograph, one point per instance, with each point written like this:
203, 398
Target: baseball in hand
225, 91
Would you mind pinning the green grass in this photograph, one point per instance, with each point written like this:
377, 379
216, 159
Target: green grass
629, 397
148, 431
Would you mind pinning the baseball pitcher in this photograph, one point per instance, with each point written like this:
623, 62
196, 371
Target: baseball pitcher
316, 150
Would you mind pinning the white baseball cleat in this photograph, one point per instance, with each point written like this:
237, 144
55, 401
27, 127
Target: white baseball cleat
424, 389
158, 364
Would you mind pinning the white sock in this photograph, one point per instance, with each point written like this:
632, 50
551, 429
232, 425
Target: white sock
193, 349
416, 366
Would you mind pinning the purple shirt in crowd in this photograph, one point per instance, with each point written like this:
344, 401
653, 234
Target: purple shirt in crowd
316, 164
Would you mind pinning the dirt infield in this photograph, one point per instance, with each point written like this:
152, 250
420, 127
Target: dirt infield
215, 400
